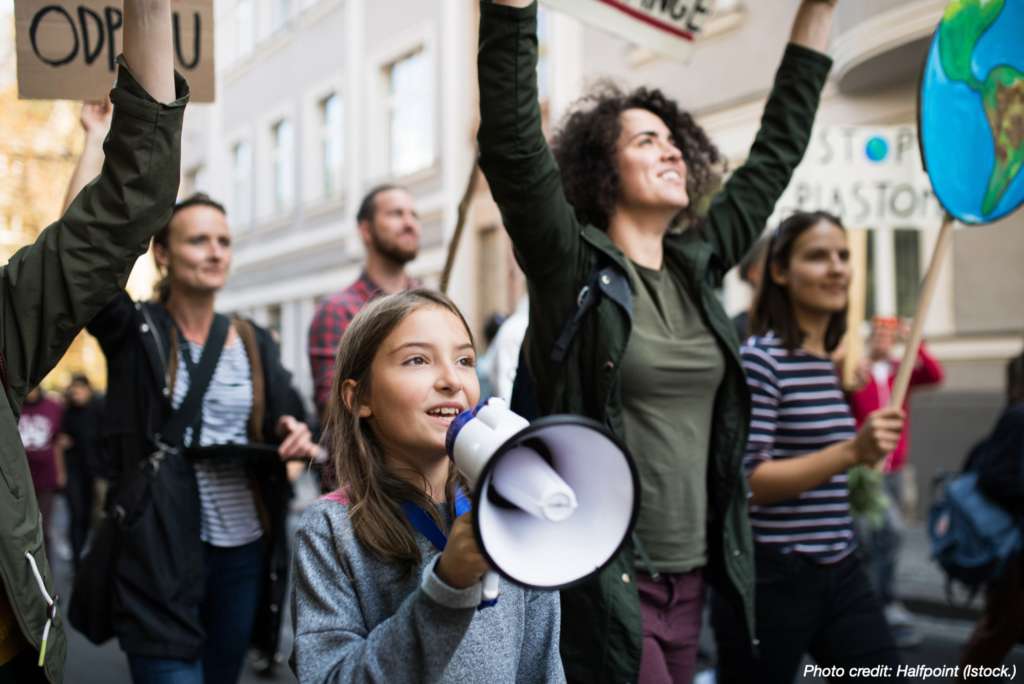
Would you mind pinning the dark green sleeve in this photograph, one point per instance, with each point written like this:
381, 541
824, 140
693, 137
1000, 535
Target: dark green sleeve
50, 289
514, 156
738, 214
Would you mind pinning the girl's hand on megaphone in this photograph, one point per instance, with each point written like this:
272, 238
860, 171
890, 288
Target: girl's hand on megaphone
461, 564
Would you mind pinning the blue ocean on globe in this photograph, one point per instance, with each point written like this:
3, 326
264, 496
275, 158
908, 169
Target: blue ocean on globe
956, 138
1002, 43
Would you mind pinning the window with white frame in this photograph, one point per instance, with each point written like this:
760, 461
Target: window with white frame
194, 180
282, 155
409, 112
543, 53
906, 244
279, 10
273, 323
331, 115
245, 28
241, 184
893, 272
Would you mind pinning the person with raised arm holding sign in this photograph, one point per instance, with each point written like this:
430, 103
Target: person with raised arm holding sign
49, 290
649, 351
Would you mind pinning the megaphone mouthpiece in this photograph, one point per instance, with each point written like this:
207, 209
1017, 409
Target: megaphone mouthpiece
525, 479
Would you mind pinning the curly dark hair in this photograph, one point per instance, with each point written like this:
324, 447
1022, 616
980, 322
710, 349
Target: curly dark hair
584, 148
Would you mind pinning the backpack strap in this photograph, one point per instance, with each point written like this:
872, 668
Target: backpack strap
200, 374
247, 332
588, 297
338, 496
605, 280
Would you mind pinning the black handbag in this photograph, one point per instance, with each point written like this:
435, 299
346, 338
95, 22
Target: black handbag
146, 501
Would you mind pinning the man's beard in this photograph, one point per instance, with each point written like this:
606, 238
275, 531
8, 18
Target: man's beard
391, 251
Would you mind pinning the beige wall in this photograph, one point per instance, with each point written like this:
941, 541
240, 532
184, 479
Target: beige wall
989, 277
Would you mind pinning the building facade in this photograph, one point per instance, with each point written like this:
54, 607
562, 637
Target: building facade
316, 103
318, 100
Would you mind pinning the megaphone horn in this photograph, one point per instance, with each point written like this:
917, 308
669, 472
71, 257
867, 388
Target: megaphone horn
555, 500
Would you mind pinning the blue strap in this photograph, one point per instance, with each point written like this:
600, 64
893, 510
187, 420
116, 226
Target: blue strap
425, 525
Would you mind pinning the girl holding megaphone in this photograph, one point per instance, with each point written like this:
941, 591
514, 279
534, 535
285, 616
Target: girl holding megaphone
387, 569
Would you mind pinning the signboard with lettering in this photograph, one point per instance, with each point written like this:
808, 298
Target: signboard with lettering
869, 176
668, 27
67, 49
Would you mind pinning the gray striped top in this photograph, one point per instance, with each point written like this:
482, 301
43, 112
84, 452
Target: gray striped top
227, 508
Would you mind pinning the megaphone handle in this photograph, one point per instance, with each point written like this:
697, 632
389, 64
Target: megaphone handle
490, 581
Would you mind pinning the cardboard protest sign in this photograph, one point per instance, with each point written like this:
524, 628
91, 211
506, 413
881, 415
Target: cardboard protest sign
668, 27
67, 48
868, 176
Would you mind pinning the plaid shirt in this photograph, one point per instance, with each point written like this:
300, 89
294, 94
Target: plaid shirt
329, 323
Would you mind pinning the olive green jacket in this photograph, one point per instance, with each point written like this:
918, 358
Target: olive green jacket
49, 290
601, 628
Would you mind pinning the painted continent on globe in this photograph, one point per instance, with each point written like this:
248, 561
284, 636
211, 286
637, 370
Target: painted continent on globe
975, 75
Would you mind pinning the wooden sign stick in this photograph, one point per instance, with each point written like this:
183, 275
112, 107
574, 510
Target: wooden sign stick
902, 382
460, 226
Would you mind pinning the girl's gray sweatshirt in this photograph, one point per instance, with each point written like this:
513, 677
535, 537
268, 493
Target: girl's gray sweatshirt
357, 619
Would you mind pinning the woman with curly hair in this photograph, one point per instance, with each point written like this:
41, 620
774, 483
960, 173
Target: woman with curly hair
616, 230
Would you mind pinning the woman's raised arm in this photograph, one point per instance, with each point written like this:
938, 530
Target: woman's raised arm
514, 155
147, 46
739, 213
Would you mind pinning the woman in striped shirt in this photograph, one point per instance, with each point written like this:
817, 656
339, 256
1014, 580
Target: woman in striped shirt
812, 593
201, 569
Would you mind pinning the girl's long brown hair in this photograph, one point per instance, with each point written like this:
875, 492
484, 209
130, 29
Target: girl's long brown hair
375, 494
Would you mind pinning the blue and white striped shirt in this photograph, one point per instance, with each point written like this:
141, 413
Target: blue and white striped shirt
228, 510
798, 408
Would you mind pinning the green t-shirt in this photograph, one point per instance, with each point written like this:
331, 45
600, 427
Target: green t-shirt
670, 374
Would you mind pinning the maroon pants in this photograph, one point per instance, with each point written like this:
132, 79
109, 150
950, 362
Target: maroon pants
670, 607
1002, 623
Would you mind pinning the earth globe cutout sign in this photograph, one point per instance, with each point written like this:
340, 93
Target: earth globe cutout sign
972, 109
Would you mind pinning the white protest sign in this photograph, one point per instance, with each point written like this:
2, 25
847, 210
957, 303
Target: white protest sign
67, 48
868, 176
667, 27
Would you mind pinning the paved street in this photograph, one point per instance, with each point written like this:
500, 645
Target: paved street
944, 629
943, 639
89, 664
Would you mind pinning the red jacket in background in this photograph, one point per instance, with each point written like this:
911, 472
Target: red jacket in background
871, 397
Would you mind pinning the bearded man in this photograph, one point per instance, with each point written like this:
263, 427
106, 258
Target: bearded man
390, 229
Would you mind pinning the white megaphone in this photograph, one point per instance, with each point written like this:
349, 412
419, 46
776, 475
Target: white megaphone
553, 501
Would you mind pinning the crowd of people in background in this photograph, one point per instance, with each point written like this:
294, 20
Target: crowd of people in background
61, 435
745, 438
